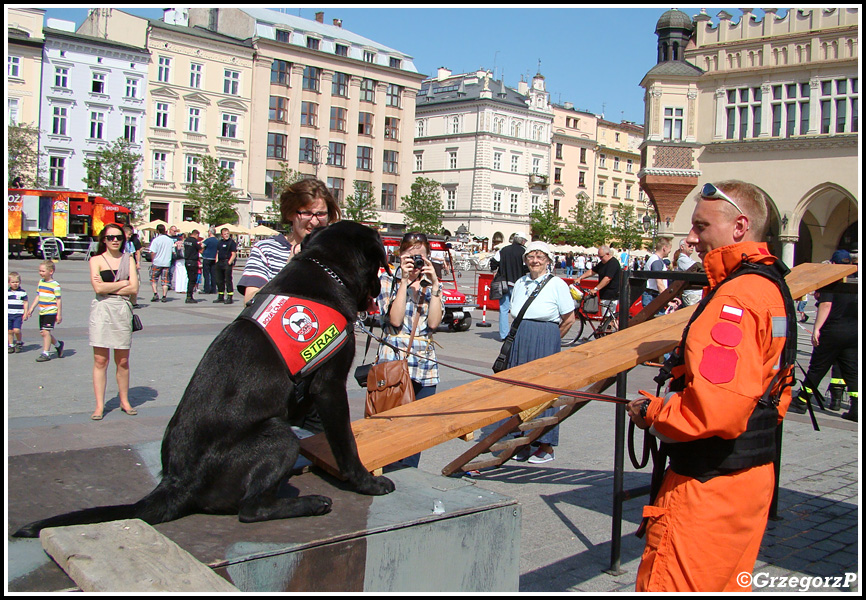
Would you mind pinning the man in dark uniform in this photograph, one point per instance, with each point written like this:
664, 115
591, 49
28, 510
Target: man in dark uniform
191, 249
511, 267
835, 341
227, 252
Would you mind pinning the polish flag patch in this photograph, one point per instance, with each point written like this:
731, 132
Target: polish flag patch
731, 313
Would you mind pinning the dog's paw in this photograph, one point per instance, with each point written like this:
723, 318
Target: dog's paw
319, 505
376, 486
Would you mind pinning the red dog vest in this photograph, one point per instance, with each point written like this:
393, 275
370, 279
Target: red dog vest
305, 333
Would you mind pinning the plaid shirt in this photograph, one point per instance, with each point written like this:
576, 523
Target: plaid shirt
423, 370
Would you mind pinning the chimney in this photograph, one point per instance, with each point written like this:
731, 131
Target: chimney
443, 73
338, 22
568, 105
522, 87
320, 17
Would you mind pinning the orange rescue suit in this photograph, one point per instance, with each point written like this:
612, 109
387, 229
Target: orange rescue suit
701, 536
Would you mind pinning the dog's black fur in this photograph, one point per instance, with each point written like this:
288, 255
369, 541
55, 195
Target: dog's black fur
229, 445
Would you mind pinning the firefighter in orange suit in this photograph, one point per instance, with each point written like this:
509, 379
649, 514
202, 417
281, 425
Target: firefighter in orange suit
730, 389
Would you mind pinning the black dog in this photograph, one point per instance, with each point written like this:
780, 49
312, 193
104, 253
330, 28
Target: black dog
230, 445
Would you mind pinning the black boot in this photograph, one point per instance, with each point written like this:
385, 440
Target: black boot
218, 299
798, 403
852, 413
229, 299
836, 394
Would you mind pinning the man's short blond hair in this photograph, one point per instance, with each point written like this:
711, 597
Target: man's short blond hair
754, 203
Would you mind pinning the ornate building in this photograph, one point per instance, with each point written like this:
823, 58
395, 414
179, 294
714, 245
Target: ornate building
773, 101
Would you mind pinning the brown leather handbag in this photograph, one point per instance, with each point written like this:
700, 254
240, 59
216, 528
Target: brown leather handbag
389, 384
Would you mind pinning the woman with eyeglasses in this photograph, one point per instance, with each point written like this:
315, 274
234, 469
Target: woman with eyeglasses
114, 277
304, 205
413, 290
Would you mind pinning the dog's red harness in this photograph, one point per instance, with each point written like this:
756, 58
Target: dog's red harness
305, 333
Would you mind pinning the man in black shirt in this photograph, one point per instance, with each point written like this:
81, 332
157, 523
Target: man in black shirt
510, 266
191, 249
608, 272
227, 251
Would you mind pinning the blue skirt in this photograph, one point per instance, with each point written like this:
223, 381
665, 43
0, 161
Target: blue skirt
534, 340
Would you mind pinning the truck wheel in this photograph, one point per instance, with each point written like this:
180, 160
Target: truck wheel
463, 325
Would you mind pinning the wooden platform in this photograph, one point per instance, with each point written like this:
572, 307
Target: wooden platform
401, 432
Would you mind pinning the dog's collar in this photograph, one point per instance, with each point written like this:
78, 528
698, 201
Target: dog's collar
328, 271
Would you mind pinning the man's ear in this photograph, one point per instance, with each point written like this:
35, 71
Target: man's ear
741, 228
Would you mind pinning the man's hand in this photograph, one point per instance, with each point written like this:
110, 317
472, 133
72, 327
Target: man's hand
637, 409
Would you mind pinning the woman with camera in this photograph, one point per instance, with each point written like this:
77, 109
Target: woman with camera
412, 297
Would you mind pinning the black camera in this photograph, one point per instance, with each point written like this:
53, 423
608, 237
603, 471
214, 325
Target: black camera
418, 261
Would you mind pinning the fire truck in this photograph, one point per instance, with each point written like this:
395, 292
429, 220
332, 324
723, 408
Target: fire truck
458, 312
58, 221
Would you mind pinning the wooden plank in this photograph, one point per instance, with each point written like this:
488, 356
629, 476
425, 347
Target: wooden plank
128, 556
403, 431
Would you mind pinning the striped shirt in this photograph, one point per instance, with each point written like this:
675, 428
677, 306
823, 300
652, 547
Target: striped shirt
267, 258
17, 298
48, 294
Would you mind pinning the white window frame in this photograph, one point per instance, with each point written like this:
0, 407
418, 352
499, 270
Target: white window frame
515, 200
196, 70
497, 201
97, 125
163, 73
60, 114
61, 77
452, 159
56, 171
194, 120
229, 128
13, 66
131, 87
162, 114
160, 166
451, 199
231, 82
192, 163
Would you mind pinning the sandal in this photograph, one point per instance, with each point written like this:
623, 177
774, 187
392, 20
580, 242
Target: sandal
96, 417
131, 411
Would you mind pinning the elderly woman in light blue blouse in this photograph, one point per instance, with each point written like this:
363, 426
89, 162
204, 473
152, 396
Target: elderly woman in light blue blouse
546, 320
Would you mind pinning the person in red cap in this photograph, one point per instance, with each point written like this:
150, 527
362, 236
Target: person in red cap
730, 389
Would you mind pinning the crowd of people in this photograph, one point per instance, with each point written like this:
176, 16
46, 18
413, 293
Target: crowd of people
715, 494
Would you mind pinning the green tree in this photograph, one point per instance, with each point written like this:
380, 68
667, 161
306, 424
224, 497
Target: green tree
422, 209
211, 192
286, 178
361, 206
587, 226
112, 174
545, 224
23, 158
628, 232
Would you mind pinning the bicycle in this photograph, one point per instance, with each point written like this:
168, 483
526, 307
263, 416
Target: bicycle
601, 323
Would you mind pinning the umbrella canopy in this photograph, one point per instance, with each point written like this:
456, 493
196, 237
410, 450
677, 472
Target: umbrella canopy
152, 225
235, 229
188, 226
263, 230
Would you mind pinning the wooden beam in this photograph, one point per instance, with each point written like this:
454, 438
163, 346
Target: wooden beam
395, 434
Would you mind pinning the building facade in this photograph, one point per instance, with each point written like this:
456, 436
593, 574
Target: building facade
93, 92
488, 145
773, 101
24, 64
327, 103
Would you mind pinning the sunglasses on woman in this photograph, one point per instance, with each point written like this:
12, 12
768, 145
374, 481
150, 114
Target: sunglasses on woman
114, 238
711, 192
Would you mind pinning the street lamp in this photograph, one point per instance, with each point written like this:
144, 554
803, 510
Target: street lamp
320, 155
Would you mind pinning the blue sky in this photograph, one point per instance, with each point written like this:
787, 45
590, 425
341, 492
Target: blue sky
591, 57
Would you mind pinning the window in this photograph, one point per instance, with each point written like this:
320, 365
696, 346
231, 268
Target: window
581, 179
336, 185
628, 192
629, 163
452, 159
369, 56
419, 161
744, 107
160, 166
514, 197
56, 171
392, 128
839, 106
365, 158
283, 36
536, 165
191, 168
368, 90
13, 66
195, 70
131, 88
601, 188
276, 145
497, 161
455, 124
311, 78
61, 75
602, 159
280, 70
673, 124
559, 151
616, 163
231, 82
557, 175
616, 137
307, 150
515, 129
230, 165
130, 124
616, 190
365, 123
338, 118
162, 114
194, 119
420, 127
58, 123
450, 199
309, 114
341, 50
97, 85
278, 109
497, 201
534, 203
498, 125
393, 97
389, 196
164, 70
583, 156
389, 161
394, 63
312, 43
270, 176
230, 126
97, 123
337, 154
515, 163
340, 85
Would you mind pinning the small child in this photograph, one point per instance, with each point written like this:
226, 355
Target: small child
17, 311
50, 312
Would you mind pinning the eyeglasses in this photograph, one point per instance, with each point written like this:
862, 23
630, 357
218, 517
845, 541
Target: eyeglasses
711, 192
307, 215
415, 237
114, 238
539, 257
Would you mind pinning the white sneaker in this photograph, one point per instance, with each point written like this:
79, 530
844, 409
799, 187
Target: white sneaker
540, 457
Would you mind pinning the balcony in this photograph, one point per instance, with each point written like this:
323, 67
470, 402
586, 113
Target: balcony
536, 180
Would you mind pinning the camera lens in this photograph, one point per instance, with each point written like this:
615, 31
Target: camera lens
418, 261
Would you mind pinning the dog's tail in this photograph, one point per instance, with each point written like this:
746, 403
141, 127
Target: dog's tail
159, 506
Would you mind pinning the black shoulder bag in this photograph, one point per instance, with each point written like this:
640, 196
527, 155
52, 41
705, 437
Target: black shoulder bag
502, 360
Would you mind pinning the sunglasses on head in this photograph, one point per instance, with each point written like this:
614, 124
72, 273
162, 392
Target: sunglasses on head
114, 238
711, 192
414, 237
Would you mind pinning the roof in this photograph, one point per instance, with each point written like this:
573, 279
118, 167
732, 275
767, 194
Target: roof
678, 68
674, 19
49, 31
434, 92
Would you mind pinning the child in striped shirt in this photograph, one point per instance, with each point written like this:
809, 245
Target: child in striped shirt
50, 311
16, 310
